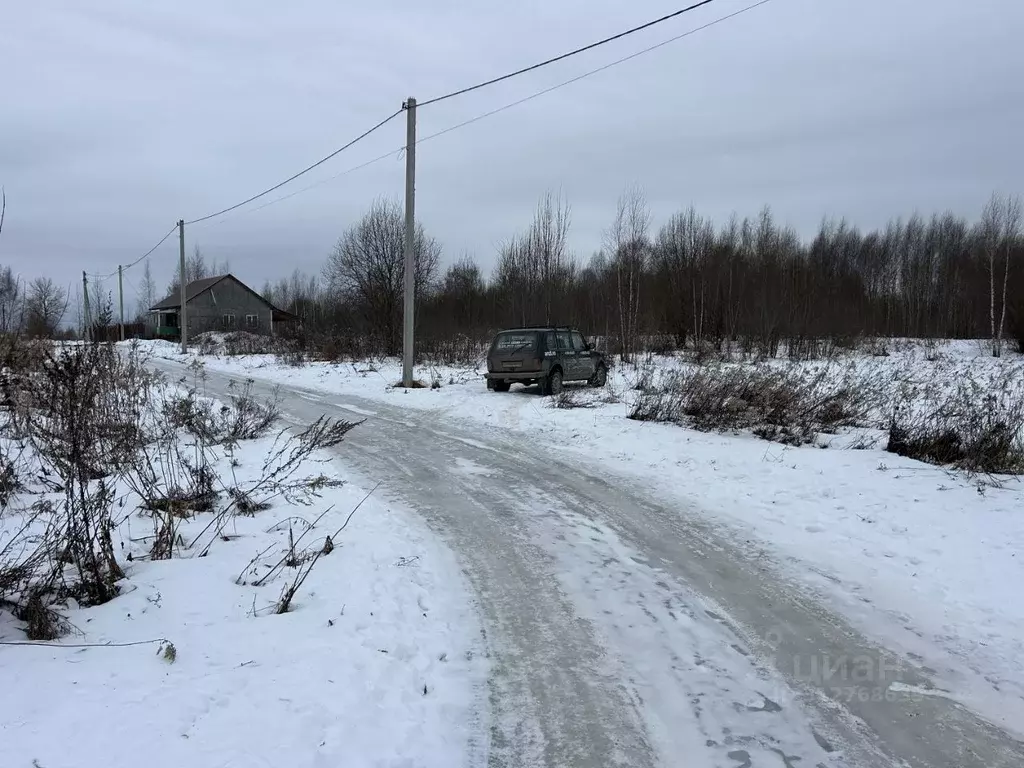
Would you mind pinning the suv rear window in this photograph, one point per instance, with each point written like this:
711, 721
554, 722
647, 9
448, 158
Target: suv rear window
509, 342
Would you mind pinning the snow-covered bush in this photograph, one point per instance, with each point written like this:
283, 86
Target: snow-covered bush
786, 404
108, 438
971, 428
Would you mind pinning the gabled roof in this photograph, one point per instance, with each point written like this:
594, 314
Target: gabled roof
197, 287
192, 290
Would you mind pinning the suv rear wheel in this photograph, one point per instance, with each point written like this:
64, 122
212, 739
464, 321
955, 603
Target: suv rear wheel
553, 384
502, 386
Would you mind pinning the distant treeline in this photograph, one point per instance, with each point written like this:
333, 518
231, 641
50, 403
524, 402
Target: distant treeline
691, 280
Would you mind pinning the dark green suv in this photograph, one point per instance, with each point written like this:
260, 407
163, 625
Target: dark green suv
545, 355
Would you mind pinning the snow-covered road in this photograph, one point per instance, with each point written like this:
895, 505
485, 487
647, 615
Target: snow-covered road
622, 631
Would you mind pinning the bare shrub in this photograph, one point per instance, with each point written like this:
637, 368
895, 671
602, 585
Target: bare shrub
89, 415
878, 347
804, 348
705, 351
297, 346
663, 345
206, 345
23, 552
785, 405
1017, 326
42, 622
292, 356
645, 379
165, 525
10, 478
303, 560
83, 413
455, 350
569, 398
246, 417
972, 433
278, 476
193, 414
238, 343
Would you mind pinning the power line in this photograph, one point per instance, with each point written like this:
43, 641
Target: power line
510, 105
320, 183
602, 68
465, 122
171, 231
563, 56
304, 171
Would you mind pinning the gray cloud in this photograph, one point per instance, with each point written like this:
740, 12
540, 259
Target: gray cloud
118, 118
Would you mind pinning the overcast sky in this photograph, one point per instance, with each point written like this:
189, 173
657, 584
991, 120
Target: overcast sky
119, 117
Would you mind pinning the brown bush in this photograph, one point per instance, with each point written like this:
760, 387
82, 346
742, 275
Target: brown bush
786, 405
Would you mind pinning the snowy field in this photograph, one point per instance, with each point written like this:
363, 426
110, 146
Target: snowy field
376, 663
921, 557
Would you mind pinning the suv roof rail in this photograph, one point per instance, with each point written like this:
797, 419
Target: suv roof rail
552, 326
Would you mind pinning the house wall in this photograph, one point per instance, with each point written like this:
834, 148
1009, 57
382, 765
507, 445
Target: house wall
207, 311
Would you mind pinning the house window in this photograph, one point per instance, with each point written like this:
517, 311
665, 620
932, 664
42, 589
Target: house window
252, 321
229, 320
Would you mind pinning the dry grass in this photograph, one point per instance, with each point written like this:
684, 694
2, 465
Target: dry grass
789, 405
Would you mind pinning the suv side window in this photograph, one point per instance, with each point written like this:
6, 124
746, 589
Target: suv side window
564, 342
550, 344
578, 343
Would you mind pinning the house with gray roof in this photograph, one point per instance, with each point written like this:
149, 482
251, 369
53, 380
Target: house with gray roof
222, 303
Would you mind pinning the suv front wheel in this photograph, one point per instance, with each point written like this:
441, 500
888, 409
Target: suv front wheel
553, 384
599, 378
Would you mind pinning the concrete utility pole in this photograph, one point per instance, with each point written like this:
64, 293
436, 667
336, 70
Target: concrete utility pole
182, 324
410, 241
120, 297
86, 322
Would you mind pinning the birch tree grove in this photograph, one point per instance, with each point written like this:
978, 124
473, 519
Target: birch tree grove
999, 232
747, 283
627, 241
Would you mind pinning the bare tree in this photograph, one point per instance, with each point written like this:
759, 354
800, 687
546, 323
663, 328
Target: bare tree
45, 306
3, 207
1011, 233
548, 243
367, 267
1000, 228
195, 269
516, 278
629, 247
147, 292
11, 304
683, 248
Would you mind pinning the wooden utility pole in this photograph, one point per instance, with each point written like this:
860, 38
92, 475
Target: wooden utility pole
410, 242
182, 322
120, 297
86, 322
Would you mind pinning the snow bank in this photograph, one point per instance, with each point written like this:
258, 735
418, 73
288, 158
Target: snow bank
378, 661
927, 560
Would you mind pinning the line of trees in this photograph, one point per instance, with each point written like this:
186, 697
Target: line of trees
35, 309
693, 282
689, 282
